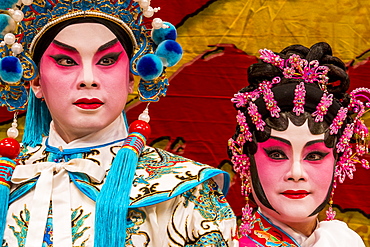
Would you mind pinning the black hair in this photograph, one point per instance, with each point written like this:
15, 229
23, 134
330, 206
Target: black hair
51, 33
283, 92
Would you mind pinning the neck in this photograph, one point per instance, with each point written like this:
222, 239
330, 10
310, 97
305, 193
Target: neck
115, 131
306, 228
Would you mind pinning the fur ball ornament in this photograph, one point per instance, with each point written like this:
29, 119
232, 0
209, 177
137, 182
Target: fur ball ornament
149, 67
161, 34
7, 4
170, 52
11, 70
7, 25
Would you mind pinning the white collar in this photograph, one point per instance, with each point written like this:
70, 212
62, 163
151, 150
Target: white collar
115, 131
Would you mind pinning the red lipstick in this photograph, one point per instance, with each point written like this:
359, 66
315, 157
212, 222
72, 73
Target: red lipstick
88, 104
295, 194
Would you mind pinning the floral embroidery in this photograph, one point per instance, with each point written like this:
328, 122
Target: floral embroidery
22, 222
78, 229
136, 218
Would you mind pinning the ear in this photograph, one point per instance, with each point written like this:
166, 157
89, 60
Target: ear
131, 83
36, 87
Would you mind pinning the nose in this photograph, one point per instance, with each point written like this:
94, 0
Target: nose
296, 172
88, 79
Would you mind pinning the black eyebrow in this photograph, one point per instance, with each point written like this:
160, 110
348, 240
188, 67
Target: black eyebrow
313, 142
108, 45
71, 48
281, 139
68, 47
288, 142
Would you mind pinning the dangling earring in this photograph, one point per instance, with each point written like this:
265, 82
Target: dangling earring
247, 218
330, 213
144, 116
242, 167
13, 131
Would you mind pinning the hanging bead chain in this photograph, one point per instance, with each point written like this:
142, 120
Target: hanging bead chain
144, 116
13, 131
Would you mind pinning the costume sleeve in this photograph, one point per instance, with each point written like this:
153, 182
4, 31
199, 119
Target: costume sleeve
336, 233
202, 217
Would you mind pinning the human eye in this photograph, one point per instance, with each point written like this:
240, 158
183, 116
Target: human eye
276, 154
64, 60
109, 59
315, 156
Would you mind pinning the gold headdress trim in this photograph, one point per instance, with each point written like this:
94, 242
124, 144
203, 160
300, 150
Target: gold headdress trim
80, 14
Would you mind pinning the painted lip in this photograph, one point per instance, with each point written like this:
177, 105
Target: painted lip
295, 194
88, 104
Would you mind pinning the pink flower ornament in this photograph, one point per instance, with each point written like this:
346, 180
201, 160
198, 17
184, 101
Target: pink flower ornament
268, 96
299, 99
330, 214
256, 116
269, 56
297, 68
344, 140
242, 99
345, 167
323, 107
247, 220
338, 120
244, 128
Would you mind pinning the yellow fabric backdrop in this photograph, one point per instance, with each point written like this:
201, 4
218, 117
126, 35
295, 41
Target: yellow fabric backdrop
275, 24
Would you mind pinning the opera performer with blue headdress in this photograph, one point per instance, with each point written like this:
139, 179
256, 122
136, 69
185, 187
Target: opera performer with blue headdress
83, 177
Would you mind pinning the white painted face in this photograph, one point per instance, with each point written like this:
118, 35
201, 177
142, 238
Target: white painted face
84, 78
295, 169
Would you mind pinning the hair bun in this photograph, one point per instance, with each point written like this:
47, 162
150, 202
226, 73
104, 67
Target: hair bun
318, 51
300, 50
261, 71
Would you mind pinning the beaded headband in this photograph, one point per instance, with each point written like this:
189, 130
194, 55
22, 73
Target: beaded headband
308, 73
23, 23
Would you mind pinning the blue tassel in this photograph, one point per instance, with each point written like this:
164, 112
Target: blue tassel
6, 170
114, 198
4, 199
38, 120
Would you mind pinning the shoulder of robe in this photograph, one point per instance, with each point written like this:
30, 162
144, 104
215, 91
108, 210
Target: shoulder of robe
161, 175
336, 233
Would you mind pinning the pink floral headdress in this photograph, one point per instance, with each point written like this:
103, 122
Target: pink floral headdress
308, 72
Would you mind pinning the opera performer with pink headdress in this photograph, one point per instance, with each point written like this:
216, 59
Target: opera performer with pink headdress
298, 134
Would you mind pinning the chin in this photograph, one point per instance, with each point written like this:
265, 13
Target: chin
92, 126
291, 214
94, 121
86, 127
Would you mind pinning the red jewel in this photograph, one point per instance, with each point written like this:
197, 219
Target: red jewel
9, 148
140, 126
